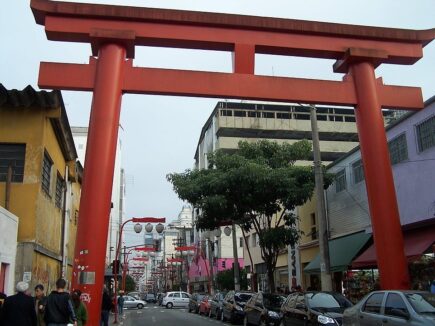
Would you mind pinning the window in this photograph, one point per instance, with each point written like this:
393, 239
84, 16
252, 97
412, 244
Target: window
177, 295
358, 172
47, 163
12, 155
398, 149
426, 134
283, 116
226, 113
254, 114
58, 200
241, 242
394, 301
238, 113
340, 181
185, 296
268, 115
373, 303
223, 264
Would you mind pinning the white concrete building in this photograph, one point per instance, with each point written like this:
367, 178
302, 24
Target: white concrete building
80, 135
8, 250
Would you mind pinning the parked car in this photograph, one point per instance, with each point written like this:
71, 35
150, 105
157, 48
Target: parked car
135, 295
216, 305
263, 309
131, 302
150, 298
176, 299
195, 301
233, 304
392, 308
314, 308
204, 306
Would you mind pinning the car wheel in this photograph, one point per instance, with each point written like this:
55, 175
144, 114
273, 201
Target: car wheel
140, 306
169, 305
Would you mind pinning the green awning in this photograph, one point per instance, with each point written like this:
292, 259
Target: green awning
341, 252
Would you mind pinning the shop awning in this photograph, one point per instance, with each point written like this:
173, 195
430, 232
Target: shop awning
341, 252
416, 242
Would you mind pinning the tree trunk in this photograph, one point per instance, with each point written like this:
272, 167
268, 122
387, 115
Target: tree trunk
270, 278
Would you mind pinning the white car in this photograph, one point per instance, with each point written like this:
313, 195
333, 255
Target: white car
176, 299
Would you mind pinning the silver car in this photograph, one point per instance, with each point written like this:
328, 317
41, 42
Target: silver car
131, 302
392, 308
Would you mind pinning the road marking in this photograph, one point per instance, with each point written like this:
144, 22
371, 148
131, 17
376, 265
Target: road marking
153, 319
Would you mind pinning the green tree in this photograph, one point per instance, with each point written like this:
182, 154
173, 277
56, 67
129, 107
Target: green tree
258, 187
130, 284
225, 279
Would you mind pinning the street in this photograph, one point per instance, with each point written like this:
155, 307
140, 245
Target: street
155, 315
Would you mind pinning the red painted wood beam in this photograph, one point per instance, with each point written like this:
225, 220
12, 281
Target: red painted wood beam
227, 85
296, 43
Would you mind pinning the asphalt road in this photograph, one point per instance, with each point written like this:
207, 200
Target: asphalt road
160, 316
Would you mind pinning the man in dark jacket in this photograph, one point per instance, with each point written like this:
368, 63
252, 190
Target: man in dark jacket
59, 310
106, 306
18, 309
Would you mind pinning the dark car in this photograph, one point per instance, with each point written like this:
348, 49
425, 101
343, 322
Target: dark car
216, 305
195, 301
392, 308
314, 308
233, 305
263, 309
150, 298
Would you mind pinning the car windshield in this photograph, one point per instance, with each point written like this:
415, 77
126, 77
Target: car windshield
242, 297
328, 302
422, 302
199, 297
272, 301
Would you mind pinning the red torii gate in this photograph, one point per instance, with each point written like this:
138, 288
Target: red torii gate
114, 31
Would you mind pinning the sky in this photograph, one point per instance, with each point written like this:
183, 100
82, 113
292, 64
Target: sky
159, 134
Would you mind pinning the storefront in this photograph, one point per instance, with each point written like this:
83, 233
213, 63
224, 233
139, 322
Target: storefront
342, 251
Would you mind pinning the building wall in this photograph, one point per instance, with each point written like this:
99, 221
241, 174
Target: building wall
413, 178
117, 213
8, 249
39, 249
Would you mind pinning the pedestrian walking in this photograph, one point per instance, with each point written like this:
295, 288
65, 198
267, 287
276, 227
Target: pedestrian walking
59, 310
106, 307
40, 302
79, 308
121, 303
18, 309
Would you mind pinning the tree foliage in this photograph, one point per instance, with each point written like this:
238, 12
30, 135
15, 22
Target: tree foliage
258, 187
225, 279
130, 284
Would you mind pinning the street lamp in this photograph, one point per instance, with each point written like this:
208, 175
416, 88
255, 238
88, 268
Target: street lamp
137, 228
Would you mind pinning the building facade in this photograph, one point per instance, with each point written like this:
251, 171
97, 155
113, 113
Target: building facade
231, 122
411, 141
8, 251
37, 149
117, 213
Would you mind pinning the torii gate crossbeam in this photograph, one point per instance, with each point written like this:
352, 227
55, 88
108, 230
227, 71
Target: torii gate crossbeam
114, 31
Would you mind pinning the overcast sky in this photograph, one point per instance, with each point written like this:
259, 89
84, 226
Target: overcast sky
159, 134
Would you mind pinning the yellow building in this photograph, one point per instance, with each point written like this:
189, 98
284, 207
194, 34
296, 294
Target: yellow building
42, 187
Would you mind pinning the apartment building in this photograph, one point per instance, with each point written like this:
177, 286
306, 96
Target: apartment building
231, 122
